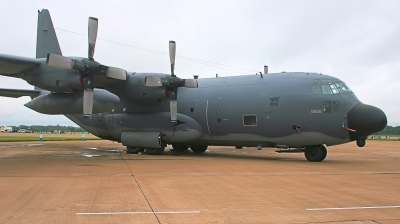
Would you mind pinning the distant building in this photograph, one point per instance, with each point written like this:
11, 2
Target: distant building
6, 129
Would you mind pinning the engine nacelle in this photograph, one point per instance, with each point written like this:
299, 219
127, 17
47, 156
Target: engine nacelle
72, 103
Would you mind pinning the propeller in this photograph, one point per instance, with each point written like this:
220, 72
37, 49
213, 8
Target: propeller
173, 104
88, 67
171, 83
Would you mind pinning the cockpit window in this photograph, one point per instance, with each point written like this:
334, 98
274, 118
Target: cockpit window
333, 88
326, 89
326, 86
342, 88
317, 89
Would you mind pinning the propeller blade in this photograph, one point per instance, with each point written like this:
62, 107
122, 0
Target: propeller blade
173, 105
172, 52
59, 61
87, 103
190, 83
88, 97
116, 73
152, 81
92, 35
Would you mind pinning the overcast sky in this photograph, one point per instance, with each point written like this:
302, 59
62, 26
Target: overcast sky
355, 41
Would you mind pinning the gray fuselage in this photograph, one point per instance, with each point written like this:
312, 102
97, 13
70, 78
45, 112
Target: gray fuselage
281, 110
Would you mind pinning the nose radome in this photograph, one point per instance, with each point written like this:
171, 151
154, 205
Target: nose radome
365, 120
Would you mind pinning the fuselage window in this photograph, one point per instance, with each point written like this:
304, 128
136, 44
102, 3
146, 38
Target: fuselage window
250, 120
327, 106
331, 106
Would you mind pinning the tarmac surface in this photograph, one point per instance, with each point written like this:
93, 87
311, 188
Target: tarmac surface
94, 182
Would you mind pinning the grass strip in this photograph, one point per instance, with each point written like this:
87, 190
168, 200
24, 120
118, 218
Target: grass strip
32, 138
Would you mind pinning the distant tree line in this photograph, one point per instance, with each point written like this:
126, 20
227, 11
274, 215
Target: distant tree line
49, 128
389, 130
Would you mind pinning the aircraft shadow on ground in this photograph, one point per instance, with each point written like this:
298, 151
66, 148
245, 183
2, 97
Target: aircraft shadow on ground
230, 155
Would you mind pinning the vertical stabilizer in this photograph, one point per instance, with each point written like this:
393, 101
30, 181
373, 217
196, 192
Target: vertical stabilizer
47, 41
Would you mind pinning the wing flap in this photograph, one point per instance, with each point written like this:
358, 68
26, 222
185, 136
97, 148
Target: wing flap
16, 93
12, 65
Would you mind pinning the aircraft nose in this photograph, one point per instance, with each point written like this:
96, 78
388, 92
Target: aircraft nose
365, 120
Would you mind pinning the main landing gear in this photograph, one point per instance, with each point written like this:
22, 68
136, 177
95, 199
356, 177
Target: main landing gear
159, 151
150, 151
155, 151
134, 150
316, 153
180, 147
199, 148
194, 148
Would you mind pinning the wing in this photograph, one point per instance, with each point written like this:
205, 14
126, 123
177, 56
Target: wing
16, 93
11, 65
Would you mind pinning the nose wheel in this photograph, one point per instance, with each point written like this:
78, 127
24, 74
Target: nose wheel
316, 153
360, 142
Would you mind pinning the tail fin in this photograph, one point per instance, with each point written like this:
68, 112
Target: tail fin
47, 41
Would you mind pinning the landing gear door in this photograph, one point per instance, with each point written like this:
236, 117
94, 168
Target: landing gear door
109, 123
114, 124
118, 120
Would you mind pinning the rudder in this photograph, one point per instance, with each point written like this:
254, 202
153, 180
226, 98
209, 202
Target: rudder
47, 41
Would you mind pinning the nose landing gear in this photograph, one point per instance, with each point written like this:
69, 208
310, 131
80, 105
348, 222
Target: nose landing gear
360, 142
316, 153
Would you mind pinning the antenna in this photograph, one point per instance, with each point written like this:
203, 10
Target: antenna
265, 69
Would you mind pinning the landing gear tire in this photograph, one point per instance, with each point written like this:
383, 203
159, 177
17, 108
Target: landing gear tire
156, 151
180, 147
315, 153
360, 142
134, 150
199, 148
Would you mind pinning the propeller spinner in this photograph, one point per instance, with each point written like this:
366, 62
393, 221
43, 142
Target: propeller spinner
88, 68
171, 83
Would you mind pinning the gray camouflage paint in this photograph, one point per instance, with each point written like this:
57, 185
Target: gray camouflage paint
211, 114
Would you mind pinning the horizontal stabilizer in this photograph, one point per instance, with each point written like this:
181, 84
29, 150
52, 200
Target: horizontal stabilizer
12, 65
16, 93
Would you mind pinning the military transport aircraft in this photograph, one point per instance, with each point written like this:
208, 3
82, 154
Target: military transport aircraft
292, 111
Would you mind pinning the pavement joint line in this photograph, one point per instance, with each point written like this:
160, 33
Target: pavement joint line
353, 208
140, 188
134, 213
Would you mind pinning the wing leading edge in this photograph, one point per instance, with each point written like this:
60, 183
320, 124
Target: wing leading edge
16, 93
11, 65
